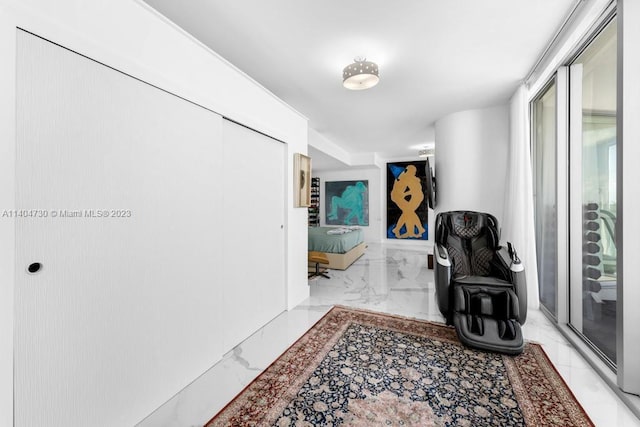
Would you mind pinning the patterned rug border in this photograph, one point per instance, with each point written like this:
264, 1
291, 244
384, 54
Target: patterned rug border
264, 372
533, 351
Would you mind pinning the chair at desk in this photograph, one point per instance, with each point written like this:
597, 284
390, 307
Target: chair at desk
318, 258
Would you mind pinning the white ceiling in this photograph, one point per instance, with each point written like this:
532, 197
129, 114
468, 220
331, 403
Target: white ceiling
321, 161
436, 57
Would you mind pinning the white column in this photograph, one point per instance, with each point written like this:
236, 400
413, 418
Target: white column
471, 160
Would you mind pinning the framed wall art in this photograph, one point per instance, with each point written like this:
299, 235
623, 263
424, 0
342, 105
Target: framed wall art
301, 181
407, 210
347, 202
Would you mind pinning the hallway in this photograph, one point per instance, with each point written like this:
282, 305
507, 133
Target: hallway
388, 278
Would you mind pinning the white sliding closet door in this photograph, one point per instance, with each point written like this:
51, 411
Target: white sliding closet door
252, 231
125, 309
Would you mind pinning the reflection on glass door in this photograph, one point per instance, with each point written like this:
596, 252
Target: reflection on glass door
593, 185
544, 151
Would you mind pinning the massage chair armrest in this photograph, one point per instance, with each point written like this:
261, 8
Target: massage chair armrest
442, 275
509, 258
442, 255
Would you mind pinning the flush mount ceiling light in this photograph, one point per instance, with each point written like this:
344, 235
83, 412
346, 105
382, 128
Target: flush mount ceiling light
362, 74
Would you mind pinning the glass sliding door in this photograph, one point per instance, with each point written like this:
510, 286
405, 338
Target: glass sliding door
543, 110
578, 196
593, 204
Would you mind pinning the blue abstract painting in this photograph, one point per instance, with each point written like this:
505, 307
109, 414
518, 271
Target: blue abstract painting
347, 202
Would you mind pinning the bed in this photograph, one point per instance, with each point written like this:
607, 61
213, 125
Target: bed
341, 249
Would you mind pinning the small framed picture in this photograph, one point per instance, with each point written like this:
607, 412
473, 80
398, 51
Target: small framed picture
301, 181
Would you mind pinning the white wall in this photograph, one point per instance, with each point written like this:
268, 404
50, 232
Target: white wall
374, 231
471, 160
130, 37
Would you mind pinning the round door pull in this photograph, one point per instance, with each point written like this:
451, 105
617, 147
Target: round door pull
34, 267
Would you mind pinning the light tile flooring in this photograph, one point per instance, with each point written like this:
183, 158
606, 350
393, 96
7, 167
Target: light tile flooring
391, 279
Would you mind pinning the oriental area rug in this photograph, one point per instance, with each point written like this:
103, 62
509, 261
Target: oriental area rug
359, 368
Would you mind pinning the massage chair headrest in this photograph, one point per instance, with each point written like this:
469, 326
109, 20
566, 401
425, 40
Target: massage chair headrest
466, 225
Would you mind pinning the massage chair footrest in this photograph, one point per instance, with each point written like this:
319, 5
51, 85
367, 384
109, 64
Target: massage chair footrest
487, 317
486, 333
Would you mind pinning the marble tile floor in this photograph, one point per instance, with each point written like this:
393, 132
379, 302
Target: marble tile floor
388, 278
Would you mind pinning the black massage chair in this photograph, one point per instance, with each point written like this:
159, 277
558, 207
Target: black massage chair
480, 285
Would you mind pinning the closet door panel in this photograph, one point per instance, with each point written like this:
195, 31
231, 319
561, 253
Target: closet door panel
252, 231
121, 181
